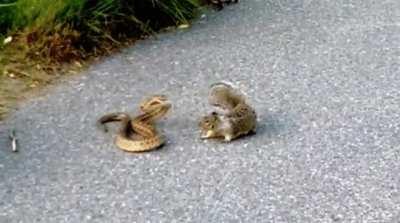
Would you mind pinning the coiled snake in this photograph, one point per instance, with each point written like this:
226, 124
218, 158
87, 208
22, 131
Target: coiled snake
138, 134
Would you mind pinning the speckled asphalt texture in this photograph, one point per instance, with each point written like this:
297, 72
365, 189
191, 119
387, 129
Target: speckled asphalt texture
324, 77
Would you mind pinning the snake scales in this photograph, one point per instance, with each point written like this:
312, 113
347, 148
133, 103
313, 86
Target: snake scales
138, 134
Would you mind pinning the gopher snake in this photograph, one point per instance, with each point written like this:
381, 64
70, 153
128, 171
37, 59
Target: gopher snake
146, 138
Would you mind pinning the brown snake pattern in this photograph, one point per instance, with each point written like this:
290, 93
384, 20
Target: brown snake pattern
138, 134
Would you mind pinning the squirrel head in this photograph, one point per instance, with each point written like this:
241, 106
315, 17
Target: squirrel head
210, 122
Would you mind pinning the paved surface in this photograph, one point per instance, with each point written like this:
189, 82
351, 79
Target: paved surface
324, 77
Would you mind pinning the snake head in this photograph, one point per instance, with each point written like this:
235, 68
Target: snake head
154, 102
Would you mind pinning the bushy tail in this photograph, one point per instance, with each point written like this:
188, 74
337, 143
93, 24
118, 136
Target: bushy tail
224, 95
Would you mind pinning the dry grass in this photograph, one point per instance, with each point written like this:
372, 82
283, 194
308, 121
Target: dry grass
55, 38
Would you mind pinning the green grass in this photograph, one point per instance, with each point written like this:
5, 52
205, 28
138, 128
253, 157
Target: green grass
63, 30
20, 13
49, 33
108, 19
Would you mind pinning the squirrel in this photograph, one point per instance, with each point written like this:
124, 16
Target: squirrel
219, 4
236, 117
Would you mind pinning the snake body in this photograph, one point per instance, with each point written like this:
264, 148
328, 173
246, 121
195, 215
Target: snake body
138, 134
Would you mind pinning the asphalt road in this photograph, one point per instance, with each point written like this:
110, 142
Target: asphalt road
324, 77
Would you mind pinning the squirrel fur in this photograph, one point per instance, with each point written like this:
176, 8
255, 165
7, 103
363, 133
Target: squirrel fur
235, 118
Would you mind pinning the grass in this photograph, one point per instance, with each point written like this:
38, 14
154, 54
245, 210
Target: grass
48, 34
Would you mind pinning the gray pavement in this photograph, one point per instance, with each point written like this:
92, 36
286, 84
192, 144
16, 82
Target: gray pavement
324, 77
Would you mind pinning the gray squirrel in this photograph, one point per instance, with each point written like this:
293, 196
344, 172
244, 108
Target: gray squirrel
236, 117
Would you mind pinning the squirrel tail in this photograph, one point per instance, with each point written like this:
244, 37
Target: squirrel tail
223, 94
220, 84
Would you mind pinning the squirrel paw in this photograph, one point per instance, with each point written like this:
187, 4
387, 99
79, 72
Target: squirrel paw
228, 138
208, 134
